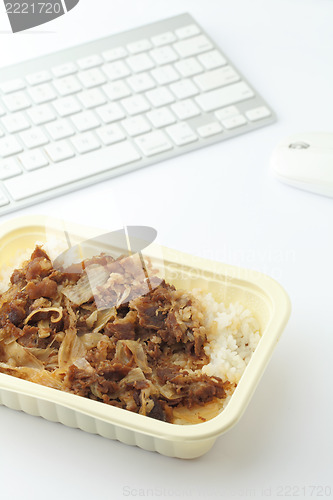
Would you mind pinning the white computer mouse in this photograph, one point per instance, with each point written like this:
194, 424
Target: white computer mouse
305, 161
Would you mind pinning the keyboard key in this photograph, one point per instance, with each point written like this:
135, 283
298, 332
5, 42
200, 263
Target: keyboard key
222, 114
114, 54
187, 31
9, 168
116, 70
234, 122
110, 112
163, 55
192, 46
84, 143
91, 98
15, 123
160, 97
85, 121
57, 152
9, 146
161, 117
116, 90
111, 134
1, 132
184, 88
189, 67
209, 129
89, 61
153, 143
163, 39
91, 78
2, 111
141, 62
60, 129
135, 104
3, 199
48, 178
17, 101
41, 114
33, 138
185, 109
65, 69
212, 59
67, 106
139, 46
41, 94
181, 133
31, 160
67, 85
216, 78
223, 97
166, 74
136, 125
12, 85
258, 113
141, 82
43, 76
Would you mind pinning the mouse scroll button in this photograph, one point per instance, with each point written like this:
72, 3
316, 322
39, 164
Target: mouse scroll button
299, 145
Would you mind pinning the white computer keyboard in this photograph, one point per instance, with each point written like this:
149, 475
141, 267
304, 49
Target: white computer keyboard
123, 102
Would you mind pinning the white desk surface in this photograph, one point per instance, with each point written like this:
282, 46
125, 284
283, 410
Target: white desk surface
221, 203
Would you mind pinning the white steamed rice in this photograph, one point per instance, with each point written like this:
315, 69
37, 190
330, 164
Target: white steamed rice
232, 333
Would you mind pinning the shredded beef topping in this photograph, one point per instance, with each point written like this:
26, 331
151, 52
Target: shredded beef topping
107, 330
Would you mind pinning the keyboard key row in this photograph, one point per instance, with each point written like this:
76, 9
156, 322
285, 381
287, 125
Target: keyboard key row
66, 87
134, 105
140, 127
229, 117
39, 181
162, 49
41, 93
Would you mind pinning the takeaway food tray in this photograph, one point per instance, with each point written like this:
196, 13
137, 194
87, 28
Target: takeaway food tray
265, 298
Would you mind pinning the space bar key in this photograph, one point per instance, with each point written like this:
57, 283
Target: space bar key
61, 174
